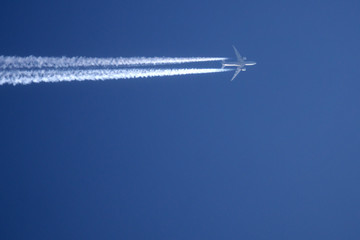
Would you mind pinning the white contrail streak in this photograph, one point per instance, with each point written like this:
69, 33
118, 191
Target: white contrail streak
8, 62
35, 76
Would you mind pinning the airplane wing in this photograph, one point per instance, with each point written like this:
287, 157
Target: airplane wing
236, 73
238, 56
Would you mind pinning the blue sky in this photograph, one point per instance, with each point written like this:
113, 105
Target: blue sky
272, 155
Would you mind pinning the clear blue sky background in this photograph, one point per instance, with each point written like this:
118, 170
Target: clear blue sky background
273, 155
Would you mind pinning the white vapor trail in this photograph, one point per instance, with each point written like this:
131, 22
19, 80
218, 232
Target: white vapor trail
8, 62
35, 76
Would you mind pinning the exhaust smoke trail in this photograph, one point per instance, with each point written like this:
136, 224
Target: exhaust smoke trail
7, 63
15, 77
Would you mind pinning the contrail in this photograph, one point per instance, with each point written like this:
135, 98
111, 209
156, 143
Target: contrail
35, 76
8, 62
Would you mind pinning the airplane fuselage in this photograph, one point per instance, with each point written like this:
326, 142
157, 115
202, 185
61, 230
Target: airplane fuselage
238, 64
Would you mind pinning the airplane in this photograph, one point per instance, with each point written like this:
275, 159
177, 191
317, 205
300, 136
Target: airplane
240, 64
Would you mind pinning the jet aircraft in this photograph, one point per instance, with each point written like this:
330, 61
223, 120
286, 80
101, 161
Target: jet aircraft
240, 64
